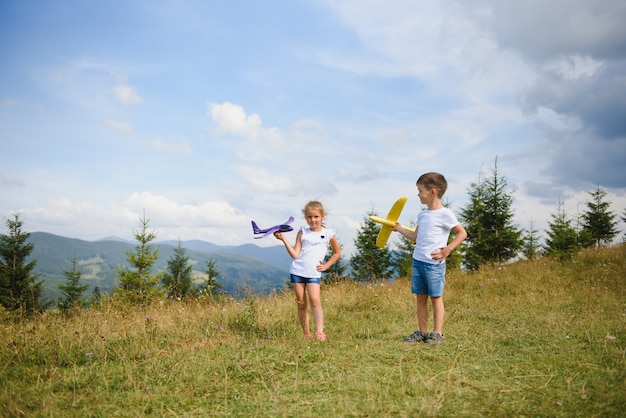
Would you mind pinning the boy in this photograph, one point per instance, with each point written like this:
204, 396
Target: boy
431, 249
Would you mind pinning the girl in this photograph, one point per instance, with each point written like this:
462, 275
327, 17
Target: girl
308, 264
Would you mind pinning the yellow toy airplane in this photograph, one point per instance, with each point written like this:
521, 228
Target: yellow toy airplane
389, 222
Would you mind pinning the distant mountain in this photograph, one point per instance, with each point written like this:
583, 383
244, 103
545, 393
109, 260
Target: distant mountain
114, 239
276, 255
260, 270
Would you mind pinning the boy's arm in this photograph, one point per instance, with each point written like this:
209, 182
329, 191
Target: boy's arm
412, 235
461, 234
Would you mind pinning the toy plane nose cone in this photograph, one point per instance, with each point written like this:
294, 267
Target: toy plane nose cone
285, 228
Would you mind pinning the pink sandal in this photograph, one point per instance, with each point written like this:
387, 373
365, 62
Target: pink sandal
320, 336
307, 336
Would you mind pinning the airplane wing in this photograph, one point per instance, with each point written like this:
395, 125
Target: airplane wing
262, 233
388, 222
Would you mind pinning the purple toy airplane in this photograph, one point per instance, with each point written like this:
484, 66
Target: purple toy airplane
276, 228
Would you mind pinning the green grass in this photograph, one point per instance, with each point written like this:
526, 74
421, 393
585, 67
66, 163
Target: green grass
529, 339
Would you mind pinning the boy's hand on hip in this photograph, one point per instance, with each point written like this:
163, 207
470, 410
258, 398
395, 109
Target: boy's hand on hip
441, 254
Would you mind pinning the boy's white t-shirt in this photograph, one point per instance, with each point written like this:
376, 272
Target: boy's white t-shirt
433, 230
314, 248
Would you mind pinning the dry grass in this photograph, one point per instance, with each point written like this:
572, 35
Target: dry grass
530, 339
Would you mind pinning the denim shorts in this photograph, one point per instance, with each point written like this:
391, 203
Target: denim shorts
428, 279
304, 280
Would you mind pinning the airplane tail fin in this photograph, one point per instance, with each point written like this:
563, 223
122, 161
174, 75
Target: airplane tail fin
255, 228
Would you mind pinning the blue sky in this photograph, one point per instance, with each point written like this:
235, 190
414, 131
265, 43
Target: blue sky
208, 114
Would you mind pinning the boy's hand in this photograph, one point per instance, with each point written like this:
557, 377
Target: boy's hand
441, 254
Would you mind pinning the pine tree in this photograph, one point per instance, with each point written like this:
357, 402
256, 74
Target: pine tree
19, 288
137, 284
96, 296
472, 217
370, 263
491, 235
584, 239
455, 259
531, 248
624, 219
598, 221
562, 241
177, 278
72, 290
210, 284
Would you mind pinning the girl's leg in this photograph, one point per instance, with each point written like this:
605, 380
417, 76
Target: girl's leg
438, 313
303, 312
422, 312
316, 307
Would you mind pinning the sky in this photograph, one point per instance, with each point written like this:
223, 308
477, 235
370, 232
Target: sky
205, 115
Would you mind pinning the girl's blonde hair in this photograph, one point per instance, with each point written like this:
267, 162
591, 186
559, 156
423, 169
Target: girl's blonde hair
315, 205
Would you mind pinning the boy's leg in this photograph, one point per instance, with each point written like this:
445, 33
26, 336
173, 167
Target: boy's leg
422, 312
436, 280
316, 306
419, 287
438, 314
303, 312
420, 290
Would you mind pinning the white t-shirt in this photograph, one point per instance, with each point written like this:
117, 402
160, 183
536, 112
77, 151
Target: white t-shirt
314, 248
433, 230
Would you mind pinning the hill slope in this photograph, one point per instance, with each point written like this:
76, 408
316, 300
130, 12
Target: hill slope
258, 269
532, 338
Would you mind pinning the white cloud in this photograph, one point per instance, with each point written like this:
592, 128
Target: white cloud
573, 67
263, 181
8, 102
74, 218
122, 127
209, 220
126, 94
542, 30
255, 142
181, 147
231, 118
349, 106
9, 182
172, 213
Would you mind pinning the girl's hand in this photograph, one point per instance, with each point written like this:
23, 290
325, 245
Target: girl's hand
321, 267
278, 235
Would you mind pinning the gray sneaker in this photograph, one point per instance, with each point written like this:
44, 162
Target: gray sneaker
434, 338
417, 337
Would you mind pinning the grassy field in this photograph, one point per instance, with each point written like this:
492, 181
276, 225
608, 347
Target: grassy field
530, 339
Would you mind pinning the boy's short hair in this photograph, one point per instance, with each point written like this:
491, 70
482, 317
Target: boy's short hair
435, 181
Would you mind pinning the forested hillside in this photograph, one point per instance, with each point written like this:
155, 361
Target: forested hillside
259, 269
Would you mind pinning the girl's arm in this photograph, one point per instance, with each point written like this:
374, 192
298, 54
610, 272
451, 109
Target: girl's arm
334, 245
294, 251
